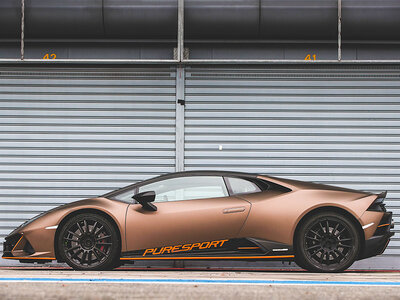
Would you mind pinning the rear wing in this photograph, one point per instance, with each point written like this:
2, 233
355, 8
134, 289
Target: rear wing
378, 204
381, 196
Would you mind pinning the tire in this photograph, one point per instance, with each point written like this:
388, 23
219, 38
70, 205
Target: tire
327, 242
89, 241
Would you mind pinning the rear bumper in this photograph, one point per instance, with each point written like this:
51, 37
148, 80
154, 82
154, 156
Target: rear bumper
377, 244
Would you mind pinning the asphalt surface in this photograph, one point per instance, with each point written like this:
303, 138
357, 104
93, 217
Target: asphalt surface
63, 283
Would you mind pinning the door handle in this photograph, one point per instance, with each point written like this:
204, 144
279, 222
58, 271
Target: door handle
232, 210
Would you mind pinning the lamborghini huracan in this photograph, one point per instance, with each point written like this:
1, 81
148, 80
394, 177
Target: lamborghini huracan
210, 215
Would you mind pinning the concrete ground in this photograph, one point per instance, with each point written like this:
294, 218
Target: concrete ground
130, 283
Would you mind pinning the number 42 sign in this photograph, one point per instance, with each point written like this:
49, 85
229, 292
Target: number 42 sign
49, 56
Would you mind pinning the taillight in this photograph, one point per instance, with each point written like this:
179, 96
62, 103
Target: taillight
378, 204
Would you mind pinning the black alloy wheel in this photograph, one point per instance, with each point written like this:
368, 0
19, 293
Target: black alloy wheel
89, 242
327, 242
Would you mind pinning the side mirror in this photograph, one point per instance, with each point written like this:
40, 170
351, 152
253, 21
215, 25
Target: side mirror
145, 200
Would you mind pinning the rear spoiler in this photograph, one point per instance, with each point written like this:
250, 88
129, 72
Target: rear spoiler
378, 204
382, 196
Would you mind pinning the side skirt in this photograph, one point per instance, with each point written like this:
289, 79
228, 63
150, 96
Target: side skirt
229, 249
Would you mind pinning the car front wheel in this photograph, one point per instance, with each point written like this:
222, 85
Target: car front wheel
89, 241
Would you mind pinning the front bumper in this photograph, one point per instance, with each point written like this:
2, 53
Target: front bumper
10, 243
17, 247
377, 244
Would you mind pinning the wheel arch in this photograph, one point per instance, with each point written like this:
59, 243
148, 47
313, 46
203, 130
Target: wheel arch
80, 211
330, 209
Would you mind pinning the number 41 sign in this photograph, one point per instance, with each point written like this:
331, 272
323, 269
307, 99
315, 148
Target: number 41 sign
310, 57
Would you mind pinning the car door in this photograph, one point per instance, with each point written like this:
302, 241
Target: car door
189, 209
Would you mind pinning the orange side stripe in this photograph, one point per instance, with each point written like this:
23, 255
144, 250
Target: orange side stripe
383, 225
208, 257
33, 258
246, 248
152, 258
17, 243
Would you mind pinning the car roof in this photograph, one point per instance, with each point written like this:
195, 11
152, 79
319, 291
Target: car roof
206, 173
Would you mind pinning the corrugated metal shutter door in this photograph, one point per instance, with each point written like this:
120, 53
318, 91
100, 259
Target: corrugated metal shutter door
68, 134
338, 125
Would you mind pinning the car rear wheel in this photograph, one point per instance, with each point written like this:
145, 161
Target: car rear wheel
327, 242
89, 241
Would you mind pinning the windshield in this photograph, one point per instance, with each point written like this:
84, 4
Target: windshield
114, 195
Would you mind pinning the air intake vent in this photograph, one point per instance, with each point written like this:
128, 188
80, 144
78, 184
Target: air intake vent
28, 248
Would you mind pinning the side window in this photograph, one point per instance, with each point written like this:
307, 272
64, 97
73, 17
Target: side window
187, 188
242, 186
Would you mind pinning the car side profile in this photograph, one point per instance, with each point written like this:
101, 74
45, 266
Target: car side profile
210, 215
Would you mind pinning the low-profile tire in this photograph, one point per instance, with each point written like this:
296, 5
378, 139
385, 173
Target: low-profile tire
89, 241
327, 242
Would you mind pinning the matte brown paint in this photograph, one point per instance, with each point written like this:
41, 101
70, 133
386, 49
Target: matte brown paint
269, 215
42, 239
184, 222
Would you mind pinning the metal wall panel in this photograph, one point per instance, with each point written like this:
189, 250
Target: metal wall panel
337, 125
68, 134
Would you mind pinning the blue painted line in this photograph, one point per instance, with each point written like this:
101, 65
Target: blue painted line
206, 281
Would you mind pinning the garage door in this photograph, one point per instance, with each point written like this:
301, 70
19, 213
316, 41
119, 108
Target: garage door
336, 125
68, 134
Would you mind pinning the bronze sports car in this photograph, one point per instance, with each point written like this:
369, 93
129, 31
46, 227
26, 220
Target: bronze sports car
210, 215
